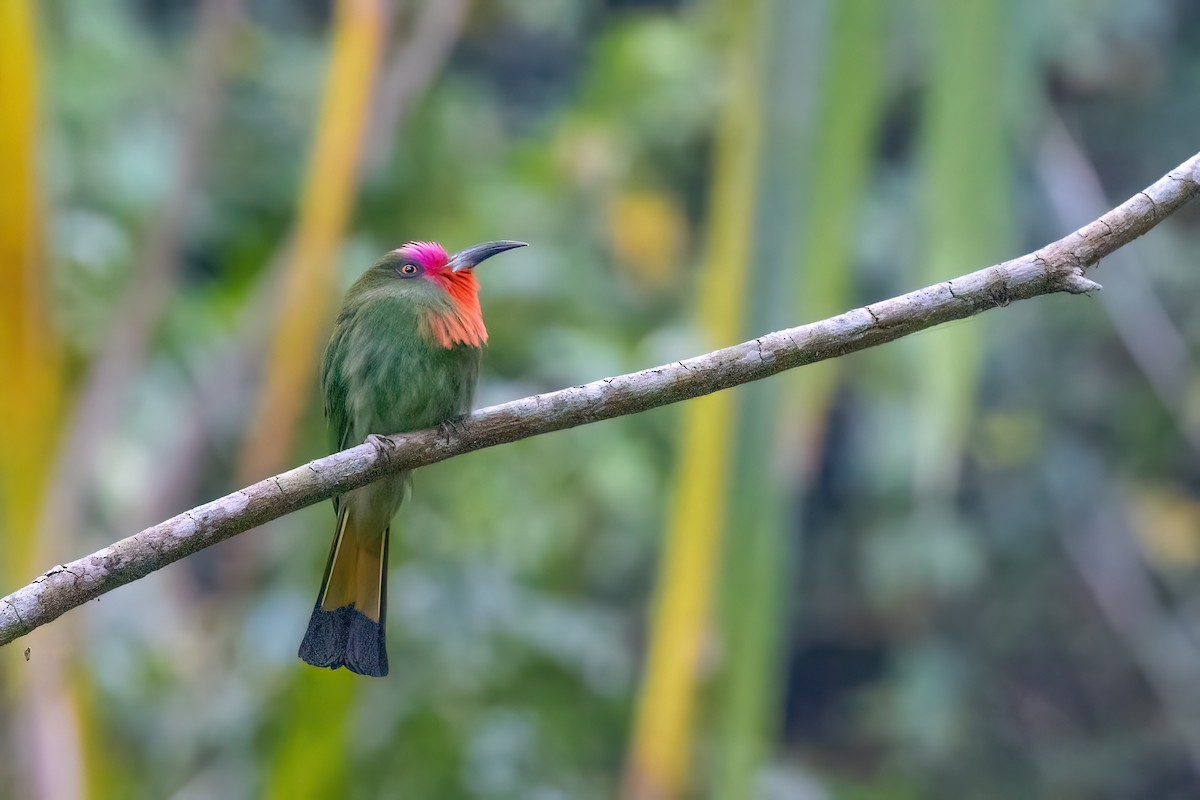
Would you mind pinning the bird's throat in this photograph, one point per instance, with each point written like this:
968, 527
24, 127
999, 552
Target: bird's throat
459, 321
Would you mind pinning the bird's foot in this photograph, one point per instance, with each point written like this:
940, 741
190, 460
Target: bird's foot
381, 443
453, 426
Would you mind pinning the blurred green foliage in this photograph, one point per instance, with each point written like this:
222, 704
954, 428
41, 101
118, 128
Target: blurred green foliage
972, 640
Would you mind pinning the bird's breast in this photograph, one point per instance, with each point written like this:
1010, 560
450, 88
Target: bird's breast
398, 380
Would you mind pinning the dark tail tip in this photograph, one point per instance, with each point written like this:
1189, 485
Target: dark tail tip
345, 637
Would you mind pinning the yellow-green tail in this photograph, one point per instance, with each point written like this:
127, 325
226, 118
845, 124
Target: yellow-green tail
347, 625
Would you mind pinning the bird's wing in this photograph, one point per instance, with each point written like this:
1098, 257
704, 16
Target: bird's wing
333, 382
334, 386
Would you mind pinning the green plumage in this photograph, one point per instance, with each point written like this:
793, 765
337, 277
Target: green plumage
383, 373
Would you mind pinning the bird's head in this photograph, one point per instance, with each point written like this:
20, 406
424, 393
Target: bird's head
444, 285
429, 259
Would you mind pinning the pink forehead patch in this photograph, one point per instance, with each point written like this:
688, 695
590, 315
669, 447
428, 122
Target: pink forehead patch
430, 255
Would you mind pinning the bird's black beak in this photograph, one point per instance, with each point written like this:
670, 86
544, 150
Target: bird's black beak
473, 256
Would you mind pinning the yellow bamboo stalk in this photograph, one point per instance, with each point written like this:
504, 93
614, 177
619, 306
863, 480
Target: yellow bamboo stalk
29, 350
658, 757
47, 722
327, 197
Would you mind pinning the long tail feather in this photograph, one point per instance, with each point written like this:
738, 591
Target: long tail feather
347, 625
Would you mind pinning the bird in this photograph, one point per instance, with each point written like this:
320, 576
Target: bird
403, 356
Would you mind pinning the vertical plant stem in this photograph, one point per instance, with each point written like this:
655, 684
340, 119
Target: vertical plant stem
44, 734
966, 160
411, 70
662, 735
28, 342
757, 560
848, 115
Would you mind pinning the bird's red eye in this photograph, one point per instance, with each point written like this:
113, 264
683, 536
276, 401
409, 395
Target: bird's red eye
408, 269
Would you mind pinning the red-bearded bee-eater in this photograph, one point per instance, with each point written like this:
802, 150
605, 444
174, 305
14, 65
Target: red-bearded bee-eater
404, 355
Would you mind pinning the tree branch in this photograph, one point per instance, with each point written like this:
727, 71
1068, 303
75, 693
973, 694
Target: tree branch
1057, 267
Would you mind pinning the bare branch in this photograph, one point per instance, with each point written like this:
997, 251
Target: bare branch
1057, 267
1139, 317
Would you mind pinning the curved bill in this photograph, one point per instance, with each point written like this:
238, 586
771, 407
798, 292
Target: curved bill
473, 256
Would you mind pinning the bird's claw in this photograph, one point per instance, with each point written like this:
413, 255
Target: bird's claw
452, 427
381, 443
